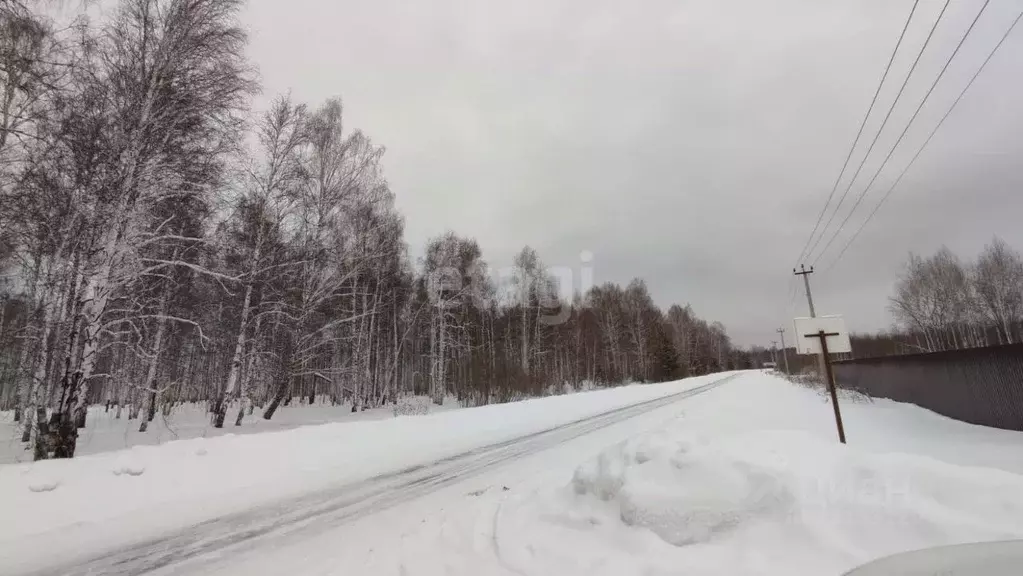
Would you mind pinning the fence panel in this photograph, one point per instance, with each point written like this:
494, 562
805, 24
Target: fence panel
977, 385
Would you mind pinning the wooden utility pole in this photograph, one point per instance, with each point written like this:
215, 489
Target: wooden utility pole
784, 351
821, 360
823, 336
806, 281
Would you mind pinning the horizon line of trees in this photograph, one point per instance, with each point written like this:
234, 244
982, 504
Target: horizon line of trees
945, 303
149, 256
941, 302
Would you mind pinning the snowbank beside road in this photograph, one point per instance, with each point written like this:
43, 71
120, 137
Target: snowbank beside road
753, 481
761, 401
758, 503
113, 499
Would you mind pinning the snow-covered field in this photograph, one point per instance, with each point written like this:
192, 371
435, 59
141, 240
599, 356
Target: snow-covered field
747, 478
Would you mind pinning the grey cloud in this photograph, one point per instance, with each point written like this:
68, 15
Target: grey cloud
688, 143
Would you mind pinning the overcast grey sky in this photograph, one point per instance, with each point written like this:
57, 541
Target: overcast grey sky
690, 143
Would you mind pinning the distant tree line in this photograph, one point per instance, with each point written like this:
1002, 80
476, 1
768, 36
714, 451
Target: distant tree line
150, 257
941, 303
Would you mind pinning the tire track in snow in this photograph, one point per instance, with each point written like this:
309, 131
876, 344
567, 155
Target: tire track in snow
497, 543
214, 539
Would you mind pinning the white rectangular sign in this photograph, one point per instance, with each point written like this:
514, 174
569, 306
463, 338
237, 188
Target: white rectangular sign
808, 343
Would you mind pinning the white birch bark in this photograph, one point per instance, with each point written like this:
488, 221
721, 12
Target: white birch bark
148, 391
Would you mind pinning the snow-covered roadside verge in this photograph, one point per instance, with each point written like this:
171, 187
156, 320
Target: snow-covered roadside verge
116, 498
753, 481
105, 432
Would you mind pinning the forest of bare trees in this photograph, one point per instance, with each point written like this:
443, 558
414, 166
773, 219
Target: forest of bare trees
161, 244
943, 303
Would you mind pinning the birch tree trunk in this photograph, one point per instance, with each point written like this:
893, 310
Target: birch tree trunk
39, 377
149, 388
524, 345
220, 407
75, 387
244, 394
440, 387
22, 368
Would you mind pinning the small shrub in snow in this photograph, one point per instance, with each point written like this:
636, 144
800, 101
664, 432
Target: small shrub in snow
815, 383
412, 406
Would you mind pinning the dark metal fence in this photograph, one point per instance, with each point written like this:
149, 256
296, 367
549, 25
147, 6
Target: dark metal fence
977, 385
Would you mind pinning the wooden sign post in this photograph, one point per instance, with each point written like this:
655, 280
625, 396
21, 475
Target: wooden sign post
831, 379
825, 335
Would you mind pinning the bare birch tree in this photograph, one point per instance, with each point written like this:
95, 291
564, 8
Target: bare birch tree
174, 78
998, 278
125, 282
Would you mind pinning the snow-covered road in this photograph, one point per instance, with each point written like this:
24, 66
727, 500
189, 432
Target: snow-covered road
219, 545
696, 477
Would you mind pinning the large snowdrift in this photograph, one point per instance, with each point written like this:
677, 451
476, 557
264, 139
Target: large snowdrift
722, 492
116, 498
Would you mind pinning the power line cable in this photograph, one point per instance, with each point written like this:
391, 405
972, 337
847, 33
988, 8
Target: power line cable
909, 124
884, 123
926, 142
793, 291
859, 133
